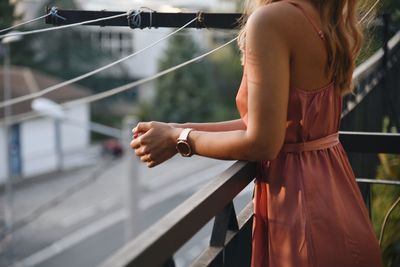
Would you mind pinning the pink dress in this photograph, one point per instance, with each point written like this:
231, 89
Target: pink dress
308, 210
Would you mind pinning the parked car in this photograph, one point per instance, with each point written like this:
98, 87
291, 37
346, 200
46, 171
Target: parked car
112, 147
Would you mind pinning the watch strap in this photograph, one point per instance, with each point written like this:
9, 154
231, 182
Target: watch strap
184, 134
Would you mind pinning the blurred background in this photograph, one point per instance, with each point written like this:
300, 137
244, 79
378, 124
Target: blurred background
71, 191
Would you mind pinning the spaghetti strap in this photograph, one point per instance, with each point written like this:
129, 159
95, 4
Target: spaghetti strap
318, 30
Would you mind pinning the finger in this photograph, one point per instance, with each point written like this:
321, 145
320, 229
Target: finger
139, 152
135, 143
135, 133
143, 127
144, 139
146, 158
151, 164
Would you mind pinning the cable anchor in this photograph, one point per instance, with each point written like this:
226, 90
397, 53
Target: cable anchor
55, 16
200, 22
135, 19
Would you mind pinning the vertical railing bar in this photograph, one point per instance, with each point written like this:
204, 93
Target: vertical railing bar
365, 189
224, 221
233, 222
169, 263
394, 119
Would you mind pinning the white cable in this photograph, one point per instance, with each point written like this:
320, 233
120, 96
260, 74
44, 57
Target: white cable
40, 93
128, 86
64, 26
369, 11
16, 119
24, 23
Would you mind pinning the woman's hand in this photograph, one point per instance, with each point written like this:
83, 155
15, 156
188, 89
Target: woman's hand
155, 142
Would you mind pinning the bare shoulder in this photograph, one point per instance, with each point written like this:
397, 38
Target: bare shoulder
275, 14
275, 19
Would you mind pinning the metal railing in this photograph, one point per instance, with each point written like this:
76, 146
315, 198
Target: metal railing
230, 242
156, 246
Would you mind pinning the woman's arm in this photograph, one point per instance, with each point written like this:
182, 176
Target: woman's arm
268, 63
224, 126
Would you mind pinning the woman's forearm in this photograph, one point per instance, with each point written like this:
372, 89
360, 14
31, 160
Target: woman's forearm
232, 145
224, 126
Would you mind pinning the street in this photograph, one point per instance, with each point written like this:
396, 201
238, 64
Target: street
80, 217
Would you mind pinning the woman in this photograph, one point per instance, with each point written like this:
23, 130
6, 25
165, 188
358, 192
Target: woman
298, 60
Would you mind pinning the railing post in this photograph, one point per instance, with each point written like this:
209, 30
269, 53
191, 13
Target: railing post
386, 36
394, 119
224, 221
132, 179
366, 194
169, 263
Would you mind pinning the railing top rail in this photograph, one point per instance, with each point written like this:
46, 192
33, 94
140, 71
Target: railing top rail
366, 68
378, 181
176, 228
148, 19
363, 142
173, 230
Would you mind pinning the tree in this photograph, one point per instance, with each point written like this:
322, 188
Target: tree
6, 18
186, 94
6, 14
63, 53
227, 74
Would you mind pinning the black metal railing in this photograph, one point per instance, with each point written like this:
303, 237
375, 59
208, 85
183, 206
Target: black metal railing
230, 242
157, 245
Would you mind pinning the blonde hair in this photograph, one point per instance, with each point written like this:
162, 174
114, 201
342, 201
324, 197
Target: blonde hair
343, 32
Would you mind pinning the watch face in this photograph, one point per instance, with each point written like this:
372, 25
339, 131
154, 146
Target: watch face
183, 148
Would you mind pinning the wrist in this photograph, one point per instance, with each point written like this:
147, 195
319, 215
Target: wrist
177, 125
175, 133
183, 144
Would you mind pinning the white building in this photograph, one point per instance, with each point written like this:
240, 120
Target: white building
33, 139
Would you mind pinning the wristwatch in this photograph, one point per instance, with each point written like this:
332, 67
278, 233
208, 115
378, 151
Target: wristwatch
183, 145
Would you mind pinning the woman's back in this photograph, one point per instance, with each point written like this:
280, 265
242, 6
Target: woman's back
309, 53
314, 105
308, 210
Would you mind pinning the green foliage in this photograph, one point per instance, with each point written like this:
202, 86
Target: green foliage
203, 91
383, 199
185, 94
6, 13
373, 27
63, 53
226, 77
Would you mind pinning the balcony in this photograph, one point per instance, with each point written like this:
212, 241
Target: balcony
377, 81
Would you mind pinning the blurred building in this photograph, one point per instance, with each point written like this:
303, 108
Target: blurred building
33, 149
122, 41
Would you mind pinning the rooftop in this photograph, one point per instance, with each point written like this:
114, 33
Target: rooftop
26, 81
